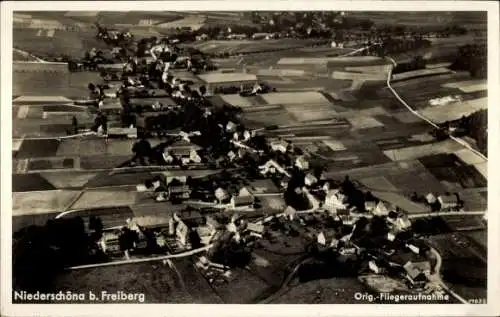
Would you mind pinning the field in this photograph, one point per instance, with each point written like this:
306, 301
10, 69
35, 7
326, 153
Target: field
463, 267
449, 169
243, 46
155, 280
325, 291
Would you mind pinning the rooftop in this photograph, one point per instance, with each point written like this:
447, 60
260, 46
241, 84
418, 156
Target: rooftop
226, 77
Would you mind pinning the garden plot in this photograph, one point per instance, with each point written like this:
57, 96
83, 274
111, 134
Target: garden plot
343, 96
468, 86
361, 122
311, 97
379, 183
25, 203
376, 69
281, 72
420, 73
41, 99
415, 152
335, 145
106, 198
271, 117
237, 100
454, 111
401, 201
358, 76
469, 157
310, 112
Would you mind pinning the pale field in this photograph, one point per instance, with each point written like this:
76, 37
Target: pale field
311, 97
24, 203
420, 72
364, 122
358, 76
106, 198
469, 85
68, 179
454, 111
415, 152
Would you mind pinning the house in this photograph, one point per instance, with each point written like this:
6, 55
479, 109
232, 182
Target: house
380, 209
240, 201
247, 135
221, 194
194, 156
279, 146
310, 179
256, 228
326, 186
416, 272
284, 182
179, 191
110, 242
391, 236
370, 205
401, 224
302, 163
244, 191
182, 232
211, 221
430, 198
335, 200
448, 202
348, 253
231, 155
321, 239
413, 248
206, 233
375, 267
230, 126
168, 158
290, 212
272, 166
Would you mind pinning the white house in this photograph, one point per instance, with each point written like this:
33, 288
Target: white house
374, 267
310, 179
413, 248
231, 155
279, 146
230, 126
194, 156
272, 167
321, 238
221, 194
335, 200
448, 202
380, 209
302, 163
430, 198
247, 135
290, 212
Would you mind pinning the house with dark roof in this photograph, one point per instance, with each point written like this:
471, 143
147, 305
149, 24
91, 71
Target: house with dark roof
241, 201
416, 272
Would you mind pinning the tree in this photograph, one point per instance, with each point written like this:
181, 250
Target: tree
203, 90
95, 224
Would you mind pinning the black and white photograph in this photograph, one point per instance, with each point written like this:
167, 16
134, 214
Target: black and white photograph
220, 155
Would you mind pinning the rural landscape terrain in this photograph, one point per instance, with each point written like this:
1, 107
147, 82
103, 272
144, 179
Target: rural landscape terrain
251, 157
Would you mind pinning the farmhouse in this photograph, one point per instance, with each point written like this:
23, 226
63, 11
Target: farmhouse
216, 81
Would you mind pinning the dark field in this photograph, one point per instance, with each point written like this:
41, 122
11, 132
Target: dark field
447, 167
